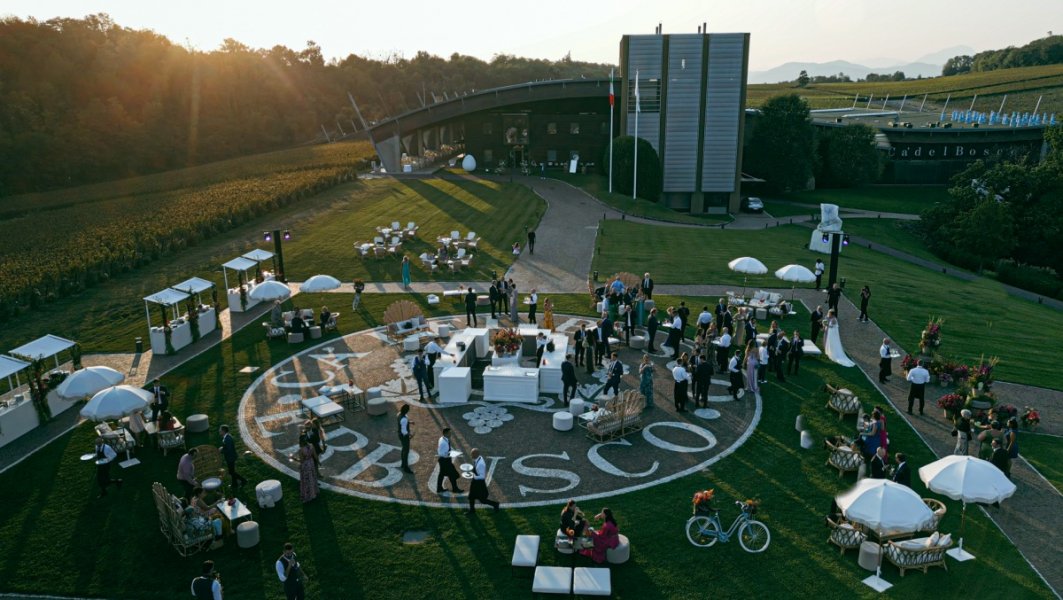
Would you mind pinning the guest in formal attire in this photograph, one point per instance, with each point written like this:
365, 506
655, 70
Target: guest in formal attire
531, 243
762, 365
752, 362
818, 270
138, 427
503, 296
1011, 441
572, 520
651, 329
817, 324
290, 572
675, 326
433, 350
627, 320
514, 306
865, 297
568, 379
533, 305
734, 372
548, 314
540, 348
601, 342
160, 399
446, 464
723, 349
919, 376
208, 585
646, 379
885, 361
315, 433
704, 320
684, 316
406, 272
228, 451
167, 422
616, 371
579, 338
878, 464
308, 467
298, 326
782, 355
1000, 458
834, 294
719, 310
647, 286
186, 472
682, 378
702, 380
478, 491
495, 297
963, 433
902, 474
420, 374
405, 434
105, 455
326, 316
605, 538
797, 351
470, 308
772, 347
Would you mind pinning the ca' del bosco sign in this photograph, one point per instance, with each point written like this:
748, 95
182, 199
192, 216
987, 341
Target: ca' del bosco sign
959, 151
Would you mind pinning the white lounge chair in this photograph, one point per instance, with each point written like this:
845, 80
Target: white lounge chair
428, 262
473, 243
460, 255
411, 229
454, 235
378, 241
396, 226
471, 236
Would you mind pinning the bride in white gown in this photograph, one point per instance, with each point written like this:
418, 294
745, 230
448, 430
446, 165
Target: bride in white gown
833, 341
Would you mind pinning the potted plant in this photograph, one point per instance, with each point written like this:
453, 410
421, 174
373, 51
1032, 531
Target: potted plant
952, 404
980, 400
981, 376
193, 317
507, 342
908, 363
1030, 418
930, 338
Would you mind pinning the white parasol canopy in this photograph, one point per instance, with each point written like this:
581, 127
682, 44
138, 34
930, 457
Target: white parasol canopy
886, 507
270, 290
796, 274
747, 265
88, 381
116, 402
319, 283
967, 479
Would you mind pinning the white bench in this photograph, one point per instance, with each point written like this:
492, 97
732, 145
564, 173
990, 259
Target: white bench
552, 580
591, 582
525, 552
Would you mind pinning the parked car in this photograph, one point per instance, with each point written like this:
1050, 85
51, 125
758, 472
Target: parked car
752, 204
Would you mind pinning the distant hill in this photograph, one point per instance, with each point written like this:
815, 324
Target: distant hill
789, 71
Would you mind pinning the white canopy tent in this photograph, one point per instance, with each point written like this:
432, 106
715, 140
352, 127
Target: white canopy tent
12, 366
44, 347
259, 255
194, 285
238, 264
168, 298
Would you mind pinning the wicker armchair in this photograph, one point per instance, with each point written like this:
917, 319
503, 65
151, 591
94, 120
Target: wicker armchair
172, 439
913, 554
172, 523
845, 535
939, 509
843, 401
843, 458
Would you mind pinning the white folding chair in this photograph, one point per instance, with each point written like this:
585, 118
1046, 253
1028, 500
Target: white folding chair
454, 235
396, 226
378, 241
471, 236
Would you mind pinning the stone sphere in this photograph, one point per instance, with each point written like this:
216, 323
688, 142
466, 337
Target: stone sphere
468, 163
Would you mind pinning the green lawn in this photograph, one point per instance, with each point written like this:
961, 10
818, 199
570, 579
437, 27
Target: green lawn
107, 317
899, 235
780, 209
904, 295
69, 543
899, 199
598, 186
1044, 452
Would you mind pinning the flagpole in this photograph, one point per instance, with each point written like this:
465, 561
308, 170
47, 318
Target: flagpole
611, 102
635, 167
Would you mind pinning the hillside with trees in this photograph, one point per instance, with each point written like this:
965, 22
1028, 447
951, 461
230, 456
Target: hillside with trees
1045, 51
85, 100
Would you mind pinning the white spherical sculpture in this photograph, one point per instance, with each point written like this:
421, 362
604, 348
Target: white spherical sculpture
468, 163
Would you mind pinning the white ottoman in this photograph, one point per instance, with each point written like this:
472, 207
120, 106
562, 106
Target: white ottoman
806, 440
614, 342
433, 299
411, 344
563, 421
621, 553
295, 338
315, 332
591, 582
525, 551
444, 330
247, 534
868, 558
373, 392
375, 407
268, 493
577, 407
197, 423
638, 342
552, 580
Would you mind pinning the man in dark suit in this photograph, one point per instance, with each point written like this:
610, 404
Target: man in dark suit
531, 241
902, 474
782, 354
616, 371
628, 321
702, 381
751, 328
647, 286
420, 374
797, 350
651, 329
503, 290
590, 350
816, 321
605, 329
1000, 458
833, 295
228, 451
773, 348
579, 338
878, 464
494, 295
728, 322
160, 399
568, 379
684, 315
470, 307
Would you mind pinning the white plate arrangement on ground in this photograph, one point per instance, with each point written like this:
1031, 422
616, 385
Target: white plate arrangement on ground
707, 413
485, 419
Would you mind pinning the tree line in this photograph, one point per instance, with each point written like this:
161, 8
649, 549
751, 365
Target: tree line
1045, 51
85, 100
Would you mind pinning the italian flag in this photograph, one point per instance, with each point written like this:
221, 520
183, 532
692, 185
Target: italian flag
612, 96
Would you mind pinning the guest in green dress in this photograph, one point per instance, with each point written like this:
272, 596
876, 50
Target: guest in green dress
646, 379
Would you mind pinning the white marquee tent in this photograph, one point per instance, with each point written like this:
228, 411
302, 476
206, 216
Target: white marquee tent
11, 366
44, 347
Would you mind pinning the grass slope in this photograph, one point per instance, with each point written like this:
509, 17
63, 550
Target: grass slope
598, 186
897, 199
904, 295
69, 542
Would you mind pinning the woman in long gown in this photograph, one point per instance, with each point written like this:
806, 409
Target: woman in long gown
548, 314
406, 272
832, 344
605, 538
646, 380
307, 470
752, 362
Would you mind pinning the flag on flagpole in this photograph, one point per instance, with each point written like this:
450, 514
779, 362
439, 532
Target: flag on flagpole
612, 96
611, 101
635, 166
638, 104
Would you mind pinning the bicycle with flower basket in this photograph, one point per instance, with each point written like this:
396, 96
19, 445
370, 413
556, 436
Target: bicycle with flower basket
704, 528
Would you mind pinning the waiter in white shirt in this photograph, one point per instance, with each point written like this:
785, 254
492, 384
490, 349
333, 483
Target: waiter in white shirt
885, 359
433, 349
478, 491
290, 572
918, 377
105, 455
533, 303
734, 371
704, 319
682, 381
208, 585
723, 345
446, 464
404, 437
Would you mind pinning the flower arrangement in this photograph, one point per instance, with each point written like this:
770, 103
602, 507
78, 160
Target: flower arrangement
931, 336
909, 362
1030, 418
703, 500
951, 403
507, 341
960, 372
750, 506
981, 377
944, 378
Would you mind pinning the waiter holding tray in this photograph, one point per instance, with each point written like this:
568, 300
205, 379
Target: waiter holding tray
445, 456
105, 455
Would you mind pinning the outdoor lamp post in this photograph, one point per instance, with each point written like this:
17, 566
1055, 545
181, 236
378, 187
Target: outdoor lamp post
278, 236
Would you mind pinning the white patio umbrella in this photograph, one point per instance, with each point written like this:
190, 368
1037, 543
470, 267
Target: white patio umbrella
270, 290
887, 508
116, 402
86, 382
795, 274
747, 265
319, 283
967, 479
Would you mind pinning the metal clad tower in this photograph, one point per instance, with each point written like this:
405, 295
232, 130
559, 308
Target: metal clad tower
692, 88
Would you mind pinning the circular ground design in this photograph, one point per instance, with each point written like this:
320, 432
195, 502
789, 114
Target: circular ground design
529, 463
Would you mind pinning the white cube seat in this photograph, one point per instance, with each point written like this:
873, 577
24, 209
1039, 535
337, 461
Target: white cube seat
197, 423
591, 582
443, 330
376, 407
525, 551
552, 580
411, 344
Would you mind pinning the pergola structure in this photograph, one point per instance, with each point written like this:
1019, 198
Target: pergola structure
12, 366
44, 347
